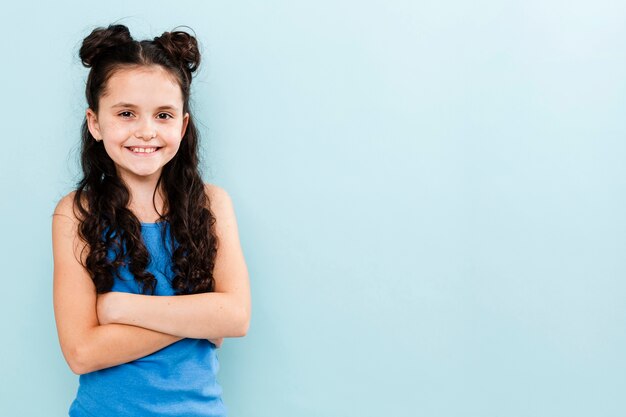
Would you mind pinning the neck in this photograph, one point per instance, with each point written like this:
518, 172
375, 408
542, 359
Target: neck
142, 192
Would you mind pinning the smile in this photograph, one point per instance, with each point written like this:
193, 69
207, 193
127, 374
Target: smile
142, 150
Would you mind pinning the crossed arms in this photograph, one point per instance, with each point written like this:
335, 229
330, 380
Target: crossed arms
100, 331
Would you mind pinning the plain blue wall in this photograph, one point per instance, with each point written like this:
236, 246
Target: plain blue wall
431, 199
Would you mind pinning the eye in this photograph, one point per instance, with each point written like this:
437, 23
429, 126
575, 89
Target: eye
125, 114
167, 116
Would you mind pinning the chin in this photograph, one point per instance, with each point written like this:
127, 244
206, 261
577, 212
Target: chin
142, 174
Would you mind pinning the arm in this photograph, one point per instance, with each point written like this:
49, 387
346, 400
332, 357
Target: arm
179, 315
86, 345
223, 313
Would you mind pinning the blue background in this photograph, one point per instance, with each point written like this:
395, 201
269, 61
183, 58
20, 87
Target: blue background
430, 198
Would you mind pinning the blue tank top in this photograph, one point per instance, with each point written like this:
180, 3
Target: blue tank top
178, 380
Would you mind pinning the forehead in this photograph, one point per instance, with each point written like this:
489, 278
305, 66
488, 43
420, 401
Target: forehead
143, 86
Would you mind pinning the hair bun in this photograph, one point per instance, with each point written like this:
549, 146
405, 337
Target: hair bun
181, 46
101, 39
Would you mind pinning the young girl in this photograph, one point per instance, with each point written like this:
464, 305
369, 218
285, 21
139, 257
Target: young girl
149, 274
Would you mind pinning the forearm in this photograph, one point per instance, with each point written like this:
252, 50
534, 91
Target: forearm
202, 316
109, 345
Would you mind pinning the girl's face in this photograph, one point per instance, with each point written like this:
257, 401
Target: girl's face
140, 121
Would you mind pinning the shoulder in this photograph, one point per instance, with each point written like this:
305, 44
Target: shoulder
66, 211
66, 240
221, 206
219, 199
65, 206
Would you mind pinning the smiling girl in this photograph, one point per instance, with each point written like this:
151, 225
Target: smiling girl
149, 274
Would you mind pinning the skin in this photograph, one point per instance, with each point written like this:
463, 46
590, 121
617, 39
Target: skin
147, 89
100, 331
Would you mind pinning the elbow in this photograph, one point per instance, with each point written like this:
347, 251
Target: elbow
77, 369
243, 330
244, 323
77, 360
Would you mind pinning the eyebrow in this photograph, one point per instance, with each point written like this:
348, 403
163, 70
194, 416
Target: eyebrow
133, 106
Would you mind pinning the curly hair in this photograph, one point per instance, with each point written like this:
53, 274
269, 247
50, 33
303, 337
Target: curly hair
101, 199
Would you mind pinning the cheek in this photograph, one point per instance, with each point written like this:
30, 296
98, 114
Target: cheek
115, 132
172, 133
111, 150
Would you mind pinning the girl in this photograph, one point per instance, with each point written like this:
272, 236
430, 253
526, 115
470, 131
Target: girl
149, 274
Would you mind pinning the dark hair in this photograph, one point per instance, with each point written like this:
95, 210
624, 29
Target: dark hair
102, 196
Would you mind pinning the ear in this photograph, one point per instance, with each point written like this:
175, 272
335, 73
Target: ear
185, 123
93, 125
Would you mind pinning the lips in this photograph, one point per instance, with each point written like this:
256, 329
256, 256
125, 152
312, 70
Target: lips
143, 150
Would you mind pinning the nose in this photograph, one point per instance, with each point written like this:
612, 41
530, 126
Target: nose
145, 130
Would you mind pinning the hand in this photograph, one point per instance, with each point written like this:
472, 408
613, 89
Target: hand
106, 307
217, 342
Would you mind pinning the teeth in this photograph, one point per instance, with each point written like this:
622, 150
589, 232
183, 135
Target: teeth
143, 150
